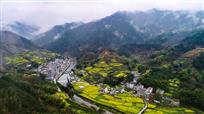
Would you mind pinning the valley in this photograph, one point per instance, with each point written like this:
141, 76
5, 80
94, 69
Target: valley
142, 62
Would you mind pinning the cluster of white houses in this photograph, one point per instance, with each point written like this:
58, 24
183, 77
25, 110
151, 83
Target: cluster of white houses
112, 91
71, 77
52, 68
140, 91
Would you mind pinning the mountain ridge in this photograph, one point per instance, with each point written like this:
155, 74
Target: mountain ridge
135, 27
12, 43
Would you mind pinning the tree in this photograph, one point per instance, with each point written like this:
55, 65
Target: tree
141, 68
69, 89
192, 98
198, 62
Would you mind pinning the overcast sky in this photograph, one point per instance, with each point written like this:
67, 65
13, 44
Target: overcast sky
51, 12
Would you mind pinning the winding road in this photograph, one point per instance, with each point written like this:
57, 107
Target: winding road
144, 108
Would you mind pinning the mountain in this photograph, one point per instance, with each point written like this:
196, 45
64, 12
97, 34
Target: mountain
12, 43
25, 30
183, 62
193, 43
191, 46
195, 40
92, 36
54, 33
169, 38
123, 28
156, 22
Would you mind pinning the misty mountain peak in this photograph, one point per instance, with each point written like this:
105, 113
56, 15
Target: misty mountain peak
22, 29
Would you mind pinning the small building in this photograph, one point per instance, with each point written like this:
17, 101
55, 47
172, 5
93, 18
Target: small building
112, 92
156, 101
135, 80
175, 102
148, 92
139, 90
160, 91
104, 90
138, 87
122, 90
130, 85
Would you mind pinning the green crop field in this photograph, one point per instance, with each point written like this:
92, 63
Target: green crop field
124, 102
37, 57
169, 110
104, 69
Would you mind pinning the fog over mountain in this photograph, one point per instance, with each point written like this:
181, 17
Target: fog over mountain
22, 29
48, 13
54, 33
161, 27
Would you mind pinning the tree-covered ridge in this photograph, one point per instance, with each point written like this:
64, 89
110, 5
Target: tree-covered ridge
183, 62
29, 92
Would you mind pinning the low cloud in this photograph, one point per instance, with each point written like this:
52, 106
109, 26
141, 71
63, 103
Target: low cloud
49, 13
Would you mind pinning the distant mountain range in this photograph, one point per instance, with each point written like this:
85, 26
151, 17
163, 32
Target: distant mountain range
25, 30
122, 28
54, 33
124, 32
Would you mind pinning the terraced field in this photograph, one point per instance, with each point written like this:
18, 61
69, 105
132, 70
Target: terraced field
169, 110
104, 69
124, 102
173, 86
37, 57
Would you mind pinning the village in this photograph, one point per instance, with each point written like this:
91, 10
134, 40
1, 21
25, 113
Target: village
140, 91
55, 67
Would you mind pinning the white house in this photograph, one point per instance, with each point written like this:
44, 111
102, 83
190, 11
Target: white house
130, 85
